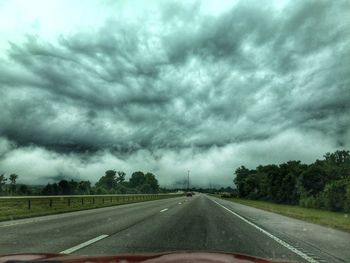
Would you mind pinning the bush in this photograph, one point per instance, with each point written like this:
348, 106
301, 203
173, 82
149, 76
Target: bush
312, 201
145, 189
101, 191
309, 202
234, 195
347, 199
225, 195
319, 201
334, 196
121, 189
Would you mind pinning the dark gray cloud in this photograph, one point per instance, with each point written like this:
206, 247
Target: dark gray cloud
178, 88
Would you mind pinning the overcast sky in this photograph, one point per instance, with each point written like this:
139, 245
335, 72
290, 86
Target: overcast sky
170, 86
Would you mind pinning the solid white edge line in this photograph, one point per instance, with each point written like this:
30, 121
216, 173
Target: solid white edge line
85, 244
281, 242
163, 210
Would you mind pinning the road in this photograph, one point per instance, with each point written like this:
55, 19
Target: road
200, 223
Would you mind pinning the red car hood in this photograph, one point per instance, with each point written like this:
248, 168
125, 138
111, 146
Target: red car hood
147, 258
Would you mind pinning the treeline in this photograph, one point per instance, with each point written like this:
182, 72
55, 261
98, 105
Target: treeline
9, 186
211, 190
111, 183
323, 184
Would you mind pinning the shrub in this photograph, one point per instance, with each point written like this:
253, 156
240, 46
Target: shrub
347, 199
225, 195
101, 191
334, 196
309, 202
319, 201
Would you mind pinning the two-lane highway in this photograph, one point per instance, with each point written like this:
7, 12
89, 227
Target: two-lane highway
55, 233
199, 223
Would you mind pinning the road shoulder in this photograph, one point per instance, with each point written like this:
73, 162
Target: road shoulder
318, 239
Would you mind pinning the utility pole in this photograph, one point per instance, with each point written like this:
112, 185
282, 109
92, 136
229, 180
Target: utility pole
188, 180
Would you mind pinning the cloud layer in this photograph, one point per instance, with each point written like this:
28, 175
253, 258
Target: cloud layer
174, 86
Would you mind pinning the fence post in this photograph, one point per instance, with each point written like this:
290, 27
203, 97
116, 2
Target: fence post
50, 203
82, 201
103, 200
93, 200
111, 199
29, 204
68, 201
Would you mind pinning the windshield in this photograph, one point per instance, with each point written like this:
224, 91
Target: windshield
164, 126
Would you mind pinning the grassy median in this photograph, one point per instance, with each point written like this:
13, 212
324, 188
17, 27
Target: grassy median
322, 217
15, 208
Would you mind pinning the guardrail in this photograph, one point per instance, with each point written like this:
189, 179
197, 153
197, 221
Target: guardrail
18, 207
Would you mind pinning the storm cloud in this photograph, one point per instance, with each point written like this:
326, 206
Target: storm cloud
172, 86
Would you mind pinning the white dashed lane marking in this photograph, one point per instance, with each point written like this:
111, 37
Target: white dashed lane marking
85, 244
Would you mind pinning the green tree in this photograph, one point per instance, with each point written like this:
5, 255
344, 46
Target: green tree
13, 179
274, 182
241, 175
101, 191
108, 181
120, 177
290, 173
64, 187
323, 184
339, 157
347, 198
84, 187
137, 179
47, 190
121, 189
314, 179
73, 187
335, 195
251, 185
56, 190
337, 165
151, 180
146, 189
23, 189
3, 180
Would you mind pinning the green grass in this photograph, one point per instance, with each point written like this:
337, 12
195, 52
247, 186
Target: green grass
15, 208
322, 217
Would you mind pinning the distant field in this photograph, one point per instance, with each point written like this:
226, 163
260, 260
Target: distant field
316, 216
22, 207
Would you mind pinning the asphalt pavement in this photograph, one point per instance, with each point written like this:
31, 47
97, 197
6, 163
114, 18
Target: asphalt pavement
198, 223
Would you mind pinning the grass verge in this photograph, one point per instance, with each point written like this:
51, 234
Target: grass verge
16, 208
317, 216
